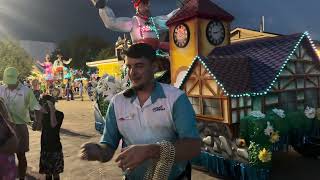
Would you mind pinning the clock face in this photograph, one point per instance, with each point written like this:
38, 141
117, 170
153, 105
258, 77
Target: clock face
215, 32
181, 35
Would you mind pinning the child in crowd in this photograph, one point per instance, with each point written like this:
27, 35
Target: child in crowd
8, 145
51, 157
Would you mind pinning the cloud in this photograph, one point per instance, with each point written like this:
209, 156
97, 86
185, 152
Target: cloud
56, 20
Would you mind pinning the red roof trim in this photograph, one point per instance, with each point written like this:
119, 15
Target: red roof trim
200, 8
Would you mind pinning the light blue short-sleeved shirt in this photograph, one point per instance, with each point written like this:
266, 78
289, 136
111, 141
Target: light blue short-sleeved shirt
166, 115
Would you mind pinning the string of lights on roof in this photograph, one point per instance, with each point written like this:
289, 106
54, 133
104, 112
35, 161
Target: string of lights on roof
305, 34
313, 45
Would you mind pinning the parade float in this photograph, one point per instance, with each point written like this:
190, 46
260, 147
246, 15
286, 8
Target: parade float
251, 98
55, 75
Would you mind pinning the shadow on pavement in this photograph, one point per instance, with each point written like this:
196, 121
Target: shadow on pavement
70, 133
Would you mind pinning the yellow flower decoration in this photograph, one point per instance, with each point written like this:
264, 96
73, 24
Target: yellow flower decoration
264, 155
274, 137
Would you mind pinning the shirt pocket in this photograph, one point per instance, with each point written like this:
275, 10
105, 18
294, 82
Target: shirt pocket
127, 123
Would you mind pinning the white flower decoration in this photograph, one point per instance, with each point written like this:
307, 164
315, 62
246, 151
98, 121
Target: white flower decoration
279, 112
269, 129
310, 112
108, 86
257, 114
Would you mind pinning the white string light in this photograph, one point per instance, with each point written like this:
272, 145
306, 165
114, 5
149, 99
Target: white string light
305, 34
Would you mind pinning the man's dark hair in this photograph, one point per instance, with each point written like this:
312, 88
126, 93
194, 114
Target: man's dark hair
141, 50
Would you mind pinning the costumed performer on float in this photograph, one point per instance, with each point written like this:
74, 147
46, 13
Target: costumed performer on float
48, 76
143, 27
58, 66
47, 65
67, 73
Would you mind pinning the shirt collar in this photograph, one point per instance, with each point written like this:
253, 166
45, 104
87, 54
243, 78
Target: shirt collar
17, 88
156, 93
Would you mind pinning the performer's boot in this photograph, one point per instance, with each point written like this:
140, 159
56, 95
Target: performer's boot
99, 3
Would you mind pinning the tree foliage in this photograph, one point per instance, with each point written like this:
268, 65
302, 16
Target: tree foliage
106, 53
11, 54
81, 49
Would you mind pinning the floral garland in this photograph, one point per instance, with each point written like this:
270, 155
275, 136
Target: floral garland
107, 87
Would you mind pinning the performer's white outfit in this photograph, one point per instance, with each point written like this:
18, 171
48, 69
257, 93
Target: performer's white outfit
135, 25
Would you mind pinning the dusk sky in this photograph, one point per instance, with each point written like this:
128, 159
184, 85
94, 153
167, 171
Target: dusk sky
56, 20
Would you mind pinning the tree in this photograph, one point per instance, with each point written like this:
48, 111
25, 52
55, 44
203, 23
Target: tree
106, 53
81, 49
11, 54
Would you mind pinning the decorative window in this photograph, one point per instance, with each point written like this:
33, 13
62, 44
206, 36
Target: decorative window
195, 102
288, 100
272, 98
234, 117
241, 102
234, 102
248, 99
242, 114
212, 107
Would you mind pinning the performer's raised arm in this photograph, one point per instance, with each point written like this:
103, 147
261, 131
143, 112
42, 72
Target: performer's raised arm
161, 20
67, 61
40, 63
122, 24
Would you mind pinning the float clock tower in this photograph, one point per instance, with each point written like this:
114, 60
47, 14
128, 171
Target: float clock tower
196, 29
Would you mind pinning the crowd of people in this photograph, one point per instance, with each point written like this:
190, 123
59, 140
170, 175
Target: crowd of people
67, 90
24, 103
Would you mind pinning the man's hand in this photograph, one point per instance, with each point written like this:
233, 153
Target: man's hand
90, 152
132, 156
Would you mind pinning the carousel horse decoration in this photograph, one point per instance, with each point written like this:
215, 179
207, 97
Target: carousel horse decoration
58, 66
47, 65
121, 47
143, 28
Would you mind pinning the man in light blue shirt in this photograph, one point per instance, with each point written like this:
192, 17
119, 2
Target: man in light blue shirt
146, 114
